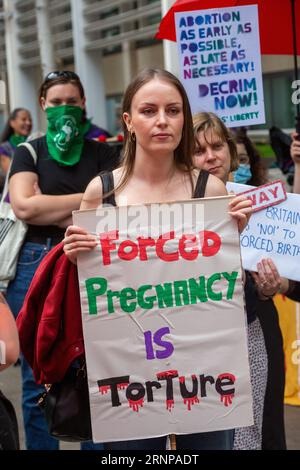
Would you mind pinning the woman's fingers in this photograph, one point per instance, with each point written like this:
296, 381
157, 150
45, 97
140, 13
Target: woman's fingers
247, 211
240, 208
239, 199
77, 240
79, 237
240, 203
269, 280
74, 229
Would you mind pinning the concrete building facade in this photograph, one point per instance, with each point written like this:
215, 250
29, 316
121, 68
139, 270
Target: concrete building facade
106, 42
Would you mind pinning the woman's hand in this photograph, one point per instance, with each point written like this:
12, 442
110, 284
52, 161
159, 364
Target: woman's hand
240, 208
268, 280
76, 241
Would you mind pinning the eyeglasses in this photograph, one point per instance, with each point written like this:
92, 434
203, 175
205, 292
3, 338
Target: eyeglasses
61, 73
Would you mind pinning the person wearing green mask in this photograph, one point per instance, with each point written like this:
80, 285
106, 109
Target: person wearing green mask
44, 196
16, 131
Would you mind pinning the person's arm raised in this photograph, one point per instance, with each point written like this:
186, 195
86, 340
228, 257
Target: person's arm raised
39, 209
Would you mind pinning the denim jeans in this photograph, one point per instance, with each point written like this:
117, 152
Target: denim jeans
216, 440
36, 431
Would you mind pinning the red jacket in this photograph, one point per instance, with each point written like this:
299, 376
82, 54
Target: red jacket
49, 322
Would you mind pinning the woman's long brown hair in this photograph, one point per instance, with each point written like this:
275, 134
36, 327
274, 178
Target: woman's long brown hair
183, 154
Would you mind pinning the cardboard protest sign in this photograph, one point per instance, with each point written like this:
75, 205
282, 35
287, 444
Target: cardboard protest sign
163, 320
273, 232
220, 63
266, 195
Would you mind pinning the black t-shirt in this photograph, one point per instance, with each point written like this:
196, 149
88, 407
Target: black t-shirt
56, 179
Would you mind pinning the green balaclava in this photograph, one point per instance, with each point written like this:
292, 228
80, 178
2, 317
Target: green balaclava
65, 133
16, 139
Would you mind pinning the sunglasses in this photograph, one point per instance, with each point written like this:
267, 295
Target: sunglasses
61, 73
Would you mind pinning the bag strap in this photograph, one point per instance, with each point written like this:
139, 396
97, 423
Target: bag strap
201, 184
107, 186
32, 152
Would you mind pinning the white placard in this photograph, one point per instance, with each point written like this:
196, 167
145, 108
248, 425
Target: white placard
220, 63
163, 322
273, 233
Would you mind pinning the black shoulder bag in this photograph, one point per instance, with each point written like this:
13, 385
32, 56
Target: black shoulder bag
66, 407
9, 435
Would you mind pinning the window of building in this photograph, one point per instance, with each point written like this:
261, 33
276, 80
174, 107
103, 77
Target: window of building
113, 113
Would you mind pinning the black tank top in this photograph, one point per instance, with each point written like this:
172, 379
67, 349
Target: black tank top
108, 185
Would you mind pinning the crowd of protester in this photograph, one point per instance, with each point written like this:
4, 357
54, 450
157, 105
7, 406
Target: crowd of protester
167, 155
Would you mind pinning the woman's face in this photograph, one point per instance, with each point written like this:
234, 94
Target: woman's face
22, 124
156, 117
213, 155
243, 156
63, 94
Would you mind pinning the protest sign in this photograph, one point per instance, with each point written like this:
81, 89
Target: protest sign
220, 63
163, 320
273, 233
266, 195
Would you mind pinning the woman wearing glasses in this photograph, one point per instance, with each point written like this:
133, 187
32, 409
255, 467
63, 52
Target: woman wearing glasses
44, 196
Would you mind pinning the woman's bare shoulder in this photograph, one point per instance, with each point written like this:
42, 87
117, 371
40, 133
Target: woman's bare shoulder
93, 194
215, 187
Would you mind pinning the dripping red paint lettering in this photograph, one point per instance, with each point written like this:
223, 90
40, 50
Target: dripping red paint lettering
191, 389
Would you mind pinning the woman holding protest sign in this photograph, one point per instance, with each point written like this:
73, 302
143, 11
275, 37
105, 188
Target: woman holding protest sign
157, 167
269, 281
44, 195
217, 153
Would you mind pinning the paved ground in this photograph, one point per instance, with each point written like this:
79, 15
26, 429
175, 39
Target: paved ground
11, 385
